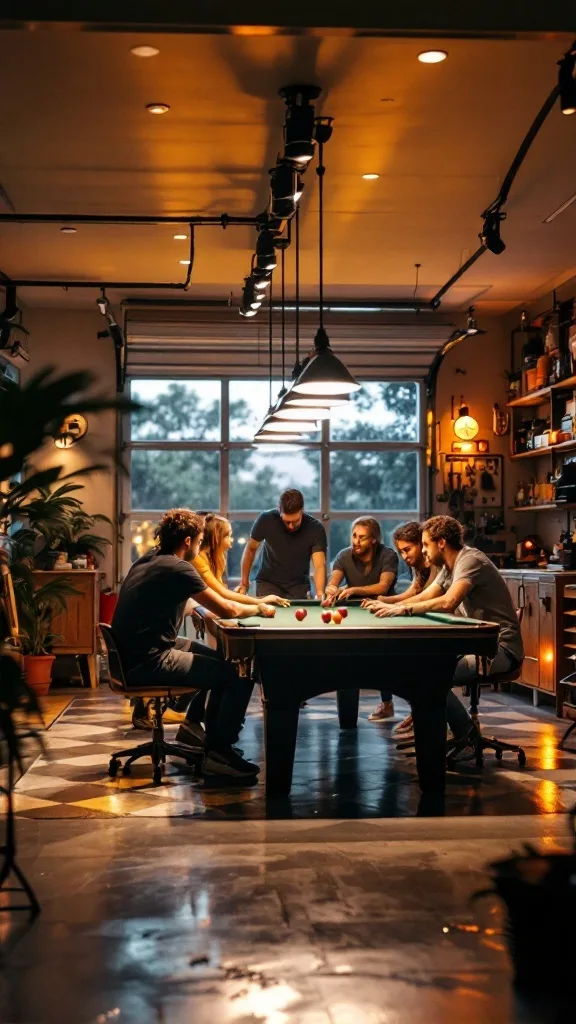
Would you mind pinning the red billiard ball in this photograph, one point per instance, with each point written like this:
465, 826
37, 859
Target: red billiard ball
326, 617
300, 614
336, 618
343, 612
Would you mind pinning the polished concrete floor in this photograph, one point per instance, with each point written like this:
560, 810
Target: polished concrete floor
217, 916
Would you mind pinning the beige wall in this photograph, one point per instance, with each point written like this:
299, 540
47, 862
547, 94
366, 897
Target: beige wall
67, 341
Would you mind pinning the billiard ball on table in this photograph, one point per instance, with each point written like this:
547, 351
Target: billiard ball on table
336, 618
300, 614
327, 617
343, 612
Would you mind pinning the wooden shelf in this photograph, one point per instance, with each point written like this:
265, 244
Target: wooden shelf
533, 508
564, 446
533, 398
533, 453
570, 382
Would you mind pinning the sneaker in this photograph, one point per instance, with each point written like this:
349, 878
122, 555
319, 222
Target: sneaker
384, 710
229, 763
405, 726
171, 717
142, 715
190, 734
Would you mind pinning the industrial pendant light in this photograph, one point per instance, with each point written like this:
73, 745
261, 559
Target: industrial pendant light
278, 421
323, 373
263, 434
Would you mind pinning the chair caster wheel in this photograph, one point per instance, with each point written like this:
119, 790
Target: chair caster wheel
157, 776
127, 769
521, 758
113, 768
498, 755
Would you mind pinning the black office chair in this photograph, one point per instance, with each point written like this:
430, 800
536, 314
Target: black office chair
157, 748
482, 742
569, 683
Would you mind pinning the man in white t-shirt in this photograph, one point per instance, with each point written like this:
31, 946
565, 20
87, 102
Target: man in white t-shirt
468, 583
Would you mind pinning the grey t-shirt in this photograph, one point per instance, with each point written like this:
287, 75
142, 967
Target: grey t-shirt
489, 597
286, 555
385, 560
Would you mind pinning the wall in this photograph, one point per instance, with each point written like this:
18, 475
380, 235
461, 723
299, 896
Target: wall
483, 358
66, 340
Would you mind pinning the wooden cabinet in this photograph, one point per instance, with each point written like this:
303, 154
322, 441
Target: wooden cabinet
541, 594
78, 624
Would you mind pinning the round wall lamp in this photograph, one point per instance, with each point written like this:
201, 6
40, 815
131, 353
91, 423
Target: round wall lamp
70, 431
465, 426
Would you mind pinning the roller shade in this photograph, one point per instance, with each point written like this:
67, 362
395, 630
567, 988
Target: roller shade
218, 342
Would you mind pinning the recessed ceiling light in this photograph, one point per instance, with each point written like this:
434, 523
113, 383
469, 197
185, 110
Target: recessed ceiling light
145, 51
432, 56
68, 231
180, 238
157, 108
184, 262
370, 177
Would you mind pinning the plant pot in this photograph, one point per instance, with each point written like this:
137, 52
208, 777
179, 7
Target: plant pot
38, 668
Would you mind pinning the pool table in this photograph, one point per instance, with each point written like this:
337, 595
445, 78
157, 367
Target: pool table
412, 656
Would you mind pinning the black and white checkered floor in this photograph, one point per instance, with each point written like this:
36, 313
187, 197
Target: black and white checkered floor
352, 774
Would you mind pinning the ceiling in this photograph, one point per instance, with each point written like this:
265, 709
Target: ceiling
76, 138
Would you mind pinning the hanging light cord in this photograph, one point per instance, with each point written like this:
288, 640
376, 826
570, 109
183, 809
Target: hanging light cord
270, 343
320, 172
297, 269
283, 320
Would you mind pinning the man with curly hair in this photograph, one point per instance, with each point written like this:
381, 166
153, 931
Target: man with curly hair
150, 610
467, 583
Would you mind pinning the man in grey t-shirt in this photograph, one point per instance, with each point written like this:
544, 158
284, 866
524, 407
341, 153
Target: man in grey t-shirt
290, 540
469, 584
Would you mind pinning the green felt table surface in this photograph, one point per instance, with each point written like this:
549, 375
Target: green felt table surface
357, 618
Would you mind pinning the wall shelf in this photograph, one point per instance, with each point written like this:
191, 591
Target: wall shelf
533, 398
535, 452
535, 508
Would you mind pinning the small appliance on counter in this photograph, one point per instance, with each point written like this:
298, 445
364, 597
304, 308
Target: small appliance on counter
565, 486
528, 550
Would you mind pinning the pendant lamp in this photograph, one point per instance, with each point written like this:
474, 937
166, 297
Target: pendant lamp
323, 373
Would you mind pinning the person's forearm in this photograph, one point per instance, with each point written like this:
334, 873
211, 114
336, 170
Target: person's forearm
247, 562
244, 611
320, 581
434, 604
371, 590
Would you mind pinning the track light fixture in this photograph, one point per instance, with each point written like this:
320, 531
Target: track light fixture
103, 303
11, 309
490, 234
567, 82
466, 332
265, 251
251, 299
299, 123
286, 189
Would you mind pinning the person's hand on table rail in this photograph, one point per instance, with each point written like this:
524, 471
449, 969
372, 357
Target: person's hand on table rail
331, 595
282, 602
385, 611
266, 610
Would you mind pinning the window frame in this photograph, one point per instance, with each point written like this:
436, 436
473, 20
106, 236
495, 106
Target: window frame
126, 514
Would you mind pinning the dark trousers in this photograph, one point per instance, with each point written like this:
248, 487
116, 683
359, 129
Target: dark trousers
466, 672
295, 592
192, 664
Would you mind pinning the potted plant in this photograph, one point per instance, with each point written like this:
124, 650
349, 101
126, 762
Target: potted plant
56, 522
36, 609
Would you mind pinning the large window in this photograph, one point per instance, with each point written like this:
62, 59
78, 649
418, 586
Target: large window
190, 444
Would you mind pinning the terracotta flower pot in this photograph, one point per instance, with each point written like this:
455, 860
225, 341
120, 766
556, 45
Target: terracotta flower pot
38, 668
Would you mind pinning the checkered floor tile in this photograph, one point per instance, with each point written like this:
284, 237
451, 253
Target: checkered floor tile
337, 774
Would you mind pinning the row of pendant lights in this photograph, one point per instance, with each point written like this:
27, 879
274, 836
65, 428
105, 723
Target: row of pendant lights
322, 381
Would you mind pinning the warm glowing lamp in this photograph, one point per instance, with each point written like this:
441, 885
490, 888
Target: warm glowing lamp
465, 426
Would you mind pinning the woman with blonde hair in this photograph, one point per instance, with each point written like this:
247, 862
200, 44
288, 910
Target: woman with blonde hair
211, 562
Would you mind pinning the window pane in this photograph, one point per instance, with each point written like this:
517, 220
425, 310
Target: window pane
240, 534
141, 537
340, 530
258, 477
164, 479
374, 480
249, 402
176, 410
378, 412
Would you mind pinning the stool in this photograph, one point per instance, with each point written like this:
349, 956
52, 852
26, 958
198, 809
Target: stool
479, 741
157, 748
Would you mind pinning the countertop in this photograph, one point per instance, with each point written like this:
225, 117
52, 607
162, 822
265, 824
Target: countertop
536, 571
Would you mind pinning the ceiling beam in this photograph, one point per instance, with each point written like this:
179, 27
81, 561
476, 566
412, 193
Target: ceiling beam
380, 17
